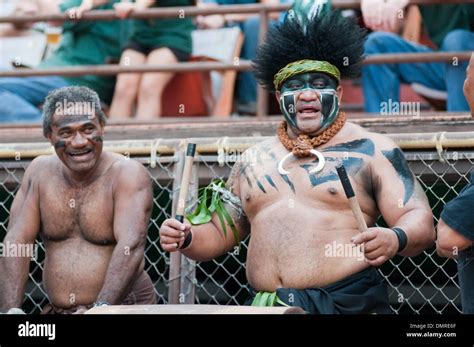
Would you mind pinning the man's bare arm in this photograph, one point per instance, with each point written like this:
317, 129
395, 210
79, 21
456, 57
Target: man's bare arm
133, 201
23, 228
450, 242
402, 203
208, 240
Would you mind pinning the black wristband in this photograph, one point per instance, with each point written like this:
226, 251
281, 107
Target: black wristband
187, 240
402, 238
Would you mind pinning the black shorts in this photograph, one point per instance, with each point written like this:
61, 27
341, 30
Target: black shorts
179, 54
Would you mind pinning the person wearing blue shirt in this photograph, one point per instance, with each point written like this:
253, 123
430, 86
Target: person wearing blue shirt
456, 225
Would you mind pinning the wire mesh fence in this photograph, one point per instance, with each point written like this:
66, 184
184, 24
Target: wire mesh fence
422, 284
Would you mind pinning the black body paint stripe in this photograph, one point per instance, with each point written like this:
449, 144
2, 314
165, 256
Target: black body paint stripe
288, 181
260, 185
352, 165
243, 171
270, 181
60, 144
364, 146
399, 163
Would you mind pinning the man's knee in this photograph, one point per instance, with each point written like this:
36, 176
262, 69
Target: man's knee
458, 40
381, 42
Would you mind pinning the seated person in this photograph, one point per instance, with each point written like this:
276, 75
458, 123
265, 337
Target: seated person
456, 225
287, 193
91, 217
82, 43
246, 89
153, 41
450, 27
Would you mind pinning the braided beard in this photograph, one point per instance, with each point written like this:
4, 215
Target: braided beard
301, 146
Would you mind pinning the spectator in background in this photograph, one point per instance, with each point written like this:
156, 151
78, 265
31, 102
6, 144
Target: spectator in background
449, 27
33, 7
152, 41
82, 43
456, 225
246, 91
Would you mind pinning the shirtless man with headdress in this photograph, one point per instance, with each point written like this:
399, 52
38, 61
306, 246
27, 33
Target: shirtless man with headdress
91, 210
291, 200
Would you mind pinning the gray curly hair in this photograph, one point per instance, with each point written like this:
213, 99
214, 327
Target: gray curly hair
63, 96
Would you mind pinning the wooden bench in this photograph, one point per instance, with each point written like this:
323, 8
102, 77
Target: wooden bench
193, 309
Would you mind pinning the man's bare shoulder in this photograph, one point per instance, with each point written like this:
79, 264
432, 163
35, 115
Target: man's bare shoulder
127, 171
43, 164
380, 141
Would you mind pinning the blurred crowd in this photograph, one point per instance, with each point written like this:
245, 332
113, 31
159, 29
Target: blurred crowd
132, 42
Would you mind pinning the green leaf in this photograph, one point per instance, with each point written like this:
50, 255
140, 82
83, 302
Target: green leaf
202, 214
229, 221
263, 299
220, 214
256, 299
214, 201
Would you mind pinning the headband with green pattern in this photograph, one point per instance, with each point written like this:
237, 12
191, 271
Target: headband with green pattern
302, 66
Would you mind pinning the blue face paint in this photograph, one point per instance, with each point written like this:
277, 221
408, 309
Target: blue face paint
319, 83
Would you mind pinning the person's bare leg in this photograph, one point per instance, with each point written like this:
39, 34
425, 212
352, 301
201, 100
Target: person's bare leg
126, 87
153, 84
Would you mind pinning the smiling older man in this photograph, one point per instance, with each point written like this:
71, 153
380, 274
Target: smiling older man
91, 210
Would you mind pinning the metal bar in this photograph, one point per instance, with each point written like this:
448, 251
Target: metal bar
155, 13
211, 144
244, 65
192, 11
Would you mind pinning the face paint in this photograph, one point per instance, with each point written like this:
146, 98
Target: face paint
329, 106
97, 138
325, 89
60, 144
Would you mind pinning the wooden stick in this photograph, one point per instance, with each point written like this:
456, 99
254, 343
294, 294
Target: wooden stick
355, 207
183, 192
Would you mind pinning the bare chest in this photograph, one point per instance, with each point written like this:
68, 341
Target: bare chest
263, 183
71, 212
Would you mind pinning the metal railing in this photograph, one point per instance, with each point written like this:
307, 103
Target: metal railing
237, 64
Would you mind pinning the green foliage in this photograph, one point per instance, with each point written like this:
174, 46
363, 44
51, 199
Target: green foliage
210, 201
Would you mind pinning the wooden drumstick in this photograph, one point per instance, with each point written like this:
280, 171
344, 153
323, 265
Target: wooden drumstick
355, 207
183, 193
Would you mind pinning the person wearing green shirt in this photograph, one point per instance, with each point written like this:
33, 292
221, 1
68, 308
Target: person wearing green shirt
82, 43
449, 26
152, 41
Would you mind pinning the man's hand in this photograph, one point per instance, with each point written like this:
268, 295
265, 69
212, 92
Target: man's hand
382, 15
172, 234
380, 245
123, 9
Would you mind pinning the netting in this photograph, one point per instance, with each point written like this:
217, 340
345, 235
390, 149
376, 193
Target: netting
422, 284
